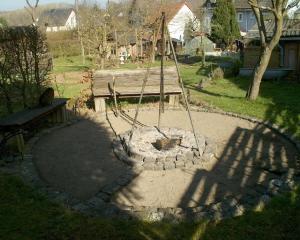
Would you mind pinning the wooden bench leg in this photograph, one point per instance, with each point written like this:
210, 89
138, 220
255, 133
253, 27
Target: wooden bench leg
63, 114
100, 104
17, 143
174, 100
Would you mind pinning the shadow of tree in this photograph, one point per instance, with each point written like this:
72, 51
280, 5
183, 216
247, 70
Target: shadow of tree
246, 159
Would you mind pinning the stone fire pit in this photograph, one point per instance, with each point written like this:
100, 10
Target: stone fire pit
164, 149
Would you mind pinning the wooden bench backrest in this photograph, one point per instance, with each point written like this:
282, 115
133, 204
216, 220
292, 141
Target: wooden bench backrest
134, 78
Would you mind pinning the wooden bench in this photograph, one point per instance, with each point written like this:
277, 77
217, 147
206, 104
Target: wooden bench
20, 121
128, 83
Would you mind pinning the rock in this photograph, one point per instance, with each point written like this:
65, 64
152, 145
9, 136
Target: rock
159, 166
207, 157
189, 156
105, 197
96, 202
263, 201
179, 164
81, 207
123, 181
149, 160
180, 158
276, 182
169, 165
155, 216
149, 166
111, 188
189, 164
170, 159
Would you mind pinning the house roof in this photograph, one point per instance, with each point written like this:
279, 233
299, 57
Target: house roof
170, 10
55, 17
291, 28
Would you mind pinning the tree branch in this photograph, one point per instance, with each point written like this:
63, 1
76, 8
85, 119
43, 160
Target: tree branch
254, 4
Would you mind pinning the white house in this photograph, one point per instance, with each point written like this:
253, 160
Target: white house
179, 18
62, 19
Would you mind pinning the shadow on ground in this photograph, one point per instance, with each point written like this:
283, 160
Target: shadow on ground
79, 160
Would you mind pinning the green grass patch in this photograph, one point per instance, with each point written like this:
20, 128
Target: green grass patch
70, 64
278, 101
26, 214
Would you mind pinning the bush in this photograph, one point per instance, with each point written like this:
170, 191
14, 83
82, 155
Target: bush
217, 74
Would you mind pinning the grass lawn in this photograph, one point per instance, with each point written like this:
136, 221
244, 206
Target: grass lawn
279, 102
70, 64
25, 214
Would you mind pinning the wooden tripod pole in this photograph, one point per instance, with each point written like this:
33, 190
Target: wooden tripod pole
163, 50
183, 90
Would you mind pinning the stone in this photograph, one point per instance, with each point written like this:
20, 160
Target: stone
137, 157
149, 166
96, 202
179, 164
111, 188
239, 210
198, 161
161, 159
170, 159
155, 216
104, 196
169, 165
123, 181
149, 160
189, 164
263, 201
196, 153
276, 182
80, 207
159, 166
180, 158
207, 157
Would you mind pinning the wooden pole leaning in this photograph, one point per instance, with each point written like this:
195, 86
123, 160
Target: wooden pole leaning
183, 91
163, 50
141, 96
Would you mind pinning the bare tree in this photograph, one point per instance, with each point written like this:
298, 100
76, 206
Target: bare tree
279, 9
31, 9
79, 32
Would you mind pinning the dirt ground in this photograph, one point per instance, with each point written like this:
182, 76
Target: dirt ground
79, 159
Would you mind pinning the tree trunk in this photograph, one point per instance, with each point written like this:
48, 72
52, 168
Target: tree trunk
259, 71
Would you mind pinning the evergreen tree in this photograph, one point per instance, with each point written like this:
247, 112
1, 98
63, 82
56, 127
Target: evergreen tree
225, 28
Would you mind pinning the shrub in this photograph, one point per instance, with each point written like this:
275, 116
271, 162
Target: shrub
217, 74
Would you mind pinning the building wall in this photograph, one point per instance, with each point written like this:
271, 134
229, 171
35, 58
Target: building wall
178, 24
292, 58
251, 58
71, 22
246, 20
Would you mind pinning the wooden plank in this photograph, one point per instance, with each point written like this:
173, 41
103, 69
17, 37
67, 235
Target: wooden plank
127, 73
137, 90
24, 117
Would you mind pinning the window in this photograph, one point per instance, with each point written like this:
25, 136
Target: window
240, 17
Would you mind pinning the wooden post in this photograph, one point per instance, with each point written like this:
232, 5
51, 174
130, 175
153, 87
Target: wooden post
100, 104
